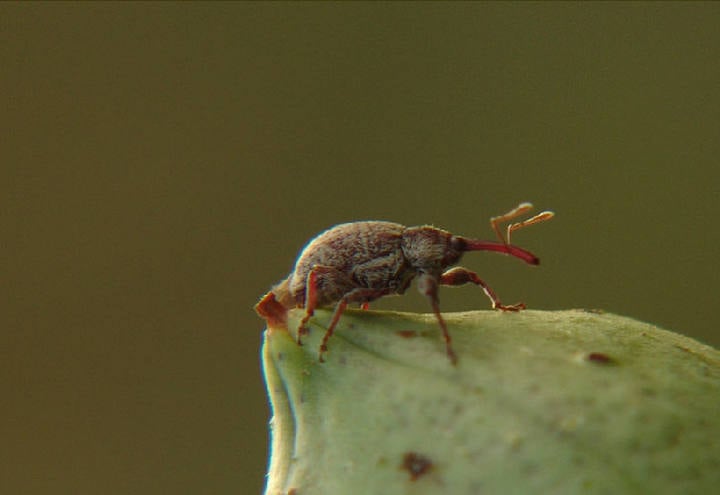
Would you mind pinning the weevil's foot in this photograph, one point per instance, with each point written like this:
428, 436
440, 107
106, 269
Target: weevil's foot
453, 357
511, 307
321, 353
302, 330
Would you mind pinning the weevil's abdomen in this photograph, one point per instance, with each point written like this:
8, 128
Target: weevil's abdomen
352, 249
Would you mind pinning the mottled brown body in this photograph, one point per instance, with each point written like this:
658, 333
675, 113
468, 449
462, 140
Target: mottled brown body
361, 254
380, 256
360, 262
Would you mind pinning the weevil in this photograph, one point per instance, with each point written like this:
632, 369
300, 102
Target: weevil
359, 262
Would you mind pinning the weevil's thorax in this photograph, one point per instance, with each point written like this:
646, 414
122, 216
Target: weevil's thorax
431, 249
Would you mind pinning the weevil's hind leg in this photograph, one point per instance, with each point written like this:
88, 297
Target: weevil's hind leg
427, 285
460, 276
321, 280
356, 295
495, 222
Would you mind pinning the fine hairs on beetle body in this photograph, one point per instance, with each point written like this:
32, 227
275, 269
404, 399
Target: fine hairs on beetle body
359, 262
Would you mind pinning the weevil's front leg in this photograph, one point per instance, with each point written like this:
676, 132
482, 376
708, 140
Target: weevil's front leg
427, 285
461, 276
355, 295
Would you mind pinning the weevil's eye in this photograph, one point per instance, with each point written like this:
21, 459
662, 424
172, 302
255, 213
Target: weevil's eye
457, 243
455, 249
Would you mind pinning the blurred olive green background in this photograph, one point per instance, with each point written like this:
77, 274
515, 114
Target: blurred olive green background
162, 164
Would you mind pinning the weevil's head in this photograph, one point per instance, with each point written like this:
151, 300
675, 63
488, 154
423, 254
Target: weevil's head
431, 249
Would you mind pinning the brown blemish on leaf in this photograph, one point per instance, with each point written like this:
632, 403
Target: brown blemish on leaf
600, 358
407, 334
416, 464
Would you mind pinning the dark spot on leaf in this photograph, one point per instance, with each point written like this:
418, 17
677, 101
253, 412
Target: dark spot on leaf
407, 334
416, 464
292, 491
599, 357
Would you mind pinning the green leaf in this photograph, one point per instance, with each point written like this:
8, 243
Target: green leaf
539, 402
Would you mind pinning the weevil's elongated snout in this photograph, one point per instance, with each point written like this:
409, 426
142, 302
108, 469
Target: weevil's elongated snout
478, 245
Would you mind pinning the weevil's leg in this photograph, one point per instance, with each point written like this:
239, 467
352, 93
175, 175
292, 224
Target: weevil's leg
461, 276
427, 285
311, 287
323, 280
540, 217
495, 222
355, 295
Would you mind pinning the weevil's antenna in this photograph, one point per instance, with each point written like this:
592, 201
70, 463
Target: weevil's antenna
540, 217
500, 247
520, 209
504, 246
514, 213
